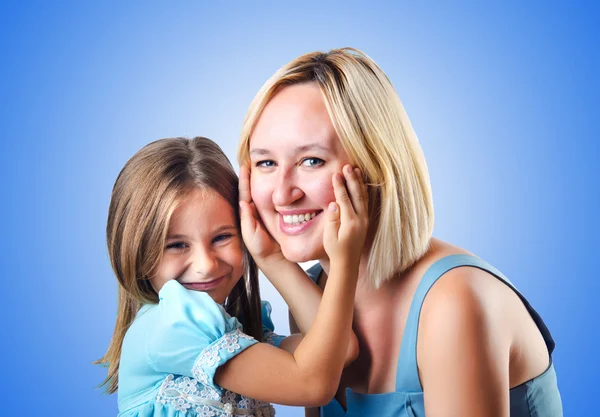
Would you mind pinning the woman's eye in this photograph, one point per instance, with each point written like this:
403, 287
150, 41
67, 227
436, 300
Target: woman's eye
265, 164
177, 246
312, 162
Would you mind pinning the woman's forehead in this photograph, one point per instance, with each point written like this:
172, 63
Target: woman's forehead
296, 120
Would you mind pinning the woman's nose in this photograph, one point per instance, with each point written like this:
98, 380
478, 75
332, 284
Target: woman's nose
286, 190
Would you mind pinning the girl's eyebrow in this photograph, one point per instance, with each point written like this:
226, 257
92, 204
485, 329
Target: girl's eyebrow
226, 227
217, 230
169, 237
299, 149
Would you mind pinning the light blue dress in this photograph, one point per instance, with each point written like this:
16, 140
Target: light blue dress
171, 352
535, 398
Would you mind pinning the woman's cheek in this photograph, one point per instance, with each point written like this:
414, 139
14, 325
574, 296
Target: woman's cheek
321, 190
259, 191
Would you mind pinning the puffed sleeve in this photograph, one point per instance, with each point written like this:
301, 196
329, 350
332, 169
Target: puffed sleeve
268, 327
193, 335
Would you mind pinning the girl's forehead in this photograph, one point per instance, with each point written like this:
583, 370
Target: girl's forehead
202, 208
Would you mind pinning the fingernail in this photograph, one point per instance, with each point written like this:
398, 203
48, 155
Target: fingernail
332, 207
348, 169
339, 177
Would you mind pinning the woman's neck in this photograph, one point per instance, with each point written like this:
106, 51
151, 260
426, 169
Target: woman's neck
367, 296
363, 283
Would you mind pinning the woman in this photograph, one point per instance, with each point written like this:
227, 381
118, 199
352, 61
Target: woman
440, 331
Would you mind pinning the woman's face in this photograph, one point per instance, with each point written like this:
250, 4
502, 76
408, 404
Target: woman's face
294, 152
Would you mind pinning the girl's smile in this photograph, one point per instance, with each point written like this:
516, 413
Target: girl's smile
203, 286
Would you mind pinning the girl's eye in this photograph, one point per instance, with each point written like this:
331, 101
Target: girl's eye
265, 164
312, 162
177, 246
222, 237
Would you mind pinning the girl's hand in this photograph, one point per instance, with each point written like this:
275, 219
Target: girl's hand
347, 217
257, 239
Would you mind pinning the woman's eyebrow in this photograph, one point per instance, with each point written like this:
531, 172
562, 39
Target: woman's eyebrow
259, 151
311, 147
299, 149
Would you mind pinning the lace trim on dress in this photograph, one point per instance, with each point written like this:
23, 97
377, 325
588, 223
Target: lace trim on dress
197, 394
269, 337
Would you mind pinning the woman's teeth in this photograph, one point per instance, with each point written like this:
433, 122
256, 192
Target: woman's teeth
298, 218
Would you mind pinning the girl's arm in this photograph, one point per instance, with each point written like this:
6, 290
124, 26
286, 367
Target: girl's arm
310, 411
311, 374
303, 298
299, 292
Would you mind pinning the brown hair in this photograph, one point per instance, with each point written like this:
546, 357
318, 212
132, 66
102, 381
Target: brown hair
146, 193
374, 129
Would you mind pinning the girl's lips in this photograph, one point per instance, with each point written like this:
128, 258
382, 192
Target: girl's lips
295, 229
203, 286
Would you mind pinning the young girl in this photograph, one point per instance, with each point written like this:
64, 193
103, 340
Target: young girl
189, 317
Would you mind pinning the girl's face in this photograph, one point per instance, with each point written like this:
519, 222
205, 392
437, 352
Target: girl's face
294, 152
203, 250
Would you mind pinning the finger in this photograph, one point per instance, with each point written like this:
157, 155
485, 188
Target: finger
365, 189
247, 220
244, 184
254, 212
258, 223
354, 189
332, 225
342, 198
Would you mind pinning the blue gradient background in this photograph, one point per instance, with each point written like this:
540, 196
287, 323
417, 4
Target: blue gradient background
504, 98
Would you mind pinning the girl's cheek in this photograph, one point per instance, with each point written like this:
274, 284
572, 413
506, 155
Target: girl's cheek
170, 268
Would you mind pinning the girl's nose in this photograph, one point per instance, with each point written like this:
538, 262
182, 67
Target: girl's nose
205, 263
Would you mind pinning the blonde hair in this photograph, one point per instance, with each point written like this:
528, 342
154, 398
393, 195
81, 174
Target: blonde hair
146, 193
377, 135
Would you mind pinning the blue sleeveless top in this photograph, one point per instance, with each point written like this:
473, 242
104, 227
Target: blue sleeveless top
536, 397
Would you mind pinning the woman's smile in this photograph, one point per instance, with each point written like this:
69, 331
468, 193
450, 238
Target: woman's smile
293, 222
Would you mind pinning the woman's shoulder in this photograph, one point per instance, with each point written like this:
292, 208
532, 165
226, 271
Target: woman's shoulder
467, 302
459, 293
459, 284
459, 296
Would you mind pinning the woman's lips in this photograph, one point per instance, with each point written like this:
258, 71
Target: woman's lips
203, 286
295, 229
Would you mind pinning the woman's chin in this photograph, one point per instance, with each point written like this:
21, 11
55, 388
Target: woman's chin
299, 255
